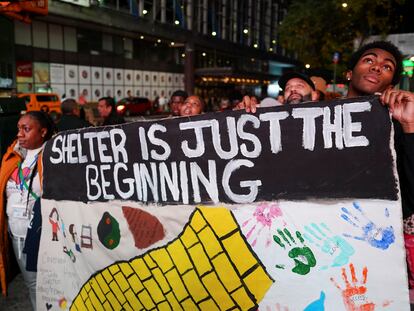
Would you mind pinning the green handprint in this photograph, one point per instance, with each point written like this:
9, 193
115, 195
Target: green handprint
305, 254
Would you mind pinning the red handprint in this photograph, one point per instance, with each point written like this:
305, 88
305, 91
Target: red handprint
354, 294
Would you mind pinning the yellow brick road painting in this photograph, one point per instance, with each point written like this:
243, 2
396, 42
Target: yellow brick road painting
209, 266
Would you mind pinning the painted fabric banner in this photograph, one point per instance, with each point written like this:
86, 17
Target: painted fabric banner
291, 208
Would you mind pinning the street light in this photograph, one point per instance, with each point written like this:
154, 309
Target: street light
344, 4
144, 12
177, 22
214, 33
255, 45
245, 31
307, 66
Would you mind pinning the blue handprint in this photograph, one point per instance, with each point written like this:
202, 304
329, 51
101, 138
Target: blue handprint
334, 245
317, 305
375, 236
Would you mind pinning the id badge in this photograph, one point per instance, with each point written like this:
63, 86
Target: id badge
20, 211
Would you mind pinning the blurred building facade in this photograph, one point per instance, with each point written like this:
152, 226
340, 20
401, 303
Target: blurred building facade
92, 48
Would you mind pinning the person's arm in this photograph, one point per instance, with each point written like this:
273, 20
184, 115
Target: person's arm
401, 105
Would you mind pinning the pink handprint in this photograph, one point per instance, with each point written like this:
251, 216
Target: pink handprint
263, 217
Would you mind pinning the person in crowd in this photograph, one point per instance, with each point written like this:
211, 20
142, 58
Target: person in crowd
70, 116
20, 188
163, 102
192, 106
297, 88
82, 97
280, 98
82, 101
235, 98
107, 110
177, 99
224, 104
375, 69
321, 87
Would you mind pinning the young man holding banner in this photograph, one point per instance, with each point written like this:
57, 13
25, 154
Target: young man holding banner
376, 68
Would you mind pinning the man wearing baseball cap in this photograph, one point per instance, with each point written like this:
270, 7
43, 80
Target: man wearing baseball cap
297, 87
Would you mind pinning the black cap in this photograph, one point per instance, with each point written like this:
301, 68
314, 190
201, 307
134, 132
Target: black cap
293, 74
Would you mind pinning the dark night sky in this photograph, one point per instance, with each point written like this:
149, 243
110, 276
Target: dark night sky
405, 16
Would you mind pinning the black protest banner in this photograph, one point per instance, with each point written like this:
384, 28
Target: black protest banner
327, 150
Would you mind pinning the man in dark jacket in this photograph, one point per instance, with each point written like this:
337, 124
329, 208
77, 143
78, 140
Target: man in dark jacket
107, 110
70, 116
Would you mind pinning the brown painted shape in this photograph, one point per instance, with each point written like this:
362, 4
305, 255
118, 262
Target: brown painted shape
145, 228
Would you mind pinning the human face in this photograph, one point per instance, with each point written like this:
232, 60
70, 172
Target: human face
192, 106
297, 91
372, 73
175, 103
224, 104
104, 109
30, 134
